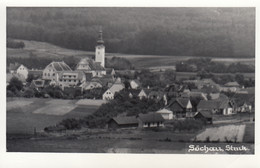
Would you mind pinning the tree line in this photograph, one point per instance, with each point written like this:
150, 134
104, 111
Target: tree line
218, 32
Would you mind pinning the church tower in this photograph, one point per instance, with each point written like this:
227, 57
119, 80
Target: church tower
100, 50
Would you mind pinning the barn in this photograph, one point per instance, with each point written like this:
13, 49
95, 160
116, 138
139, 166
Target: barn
123, 122
205, 116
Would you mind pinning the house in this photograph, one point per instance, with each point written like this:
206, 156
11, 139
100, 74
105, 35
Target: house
144, 93
91, 85
133, 92
70, 78
123, 122
87, 65
244, 102
37, 84
135, 84
181, 107
111, 71
232, 84
19, 69
110, 93
205, 116
218, 106
51, 71
166, 113
150, 120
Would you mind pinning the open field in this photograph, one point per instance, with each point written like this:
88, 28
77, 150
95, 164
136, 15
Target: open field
43, 49
40, 113
234, 133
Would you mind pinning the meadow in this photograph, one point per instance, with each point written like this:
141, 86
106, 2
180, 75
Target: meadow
24, 115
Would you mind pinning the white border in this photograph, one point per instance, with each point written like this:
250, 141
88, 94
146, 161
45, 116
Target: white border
65, 160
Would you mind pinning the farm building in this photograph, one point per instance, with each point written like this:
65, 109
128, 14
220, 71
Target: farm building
166, 114
180, 107
123, 122
219, 106
205, 115
51, 71
150, 120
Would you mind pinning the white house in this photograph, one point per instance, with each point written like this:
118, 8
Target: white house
70, 78
110, 93
166, 114
22, 70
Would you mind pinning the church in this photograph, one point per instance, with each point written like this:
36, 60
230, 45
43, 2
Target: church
97, 67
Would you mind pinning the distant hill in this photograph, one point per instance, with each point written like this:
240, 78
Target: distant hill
215, 32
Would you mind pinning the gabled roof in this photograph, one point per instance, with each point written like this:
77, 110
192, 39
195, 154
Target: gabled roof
59, 66
14, 66
156, 93
116, 87
134, 92
125, 120
182, 101
136, 81
240, 99
151, 117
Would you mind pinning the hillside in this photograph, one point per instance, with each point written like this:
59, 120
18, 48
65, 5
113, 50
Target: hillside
215, 32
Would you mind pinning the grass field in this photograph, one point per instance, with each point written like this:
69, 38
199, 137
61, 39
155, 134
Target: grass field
23, 115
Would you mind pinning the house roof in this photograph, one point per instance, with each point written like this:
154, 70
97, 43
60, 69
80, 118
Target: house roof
208, 105
125, 120
156, 93
59, 66
136, 81
151, 117
14, 66
182, 101
91, 63
35, 72
240, 99
134, 92
116, 87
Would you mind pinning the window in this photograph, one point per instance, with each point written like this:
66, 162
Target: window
69, 80
75, 80
48, 74
53, 74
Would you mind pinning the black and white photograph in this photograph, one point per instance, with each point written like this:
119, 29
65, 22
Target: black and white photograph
130, 80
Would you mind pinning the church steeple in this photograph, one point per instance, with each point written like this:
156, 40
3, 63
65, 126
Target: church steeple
100, 38
100, 49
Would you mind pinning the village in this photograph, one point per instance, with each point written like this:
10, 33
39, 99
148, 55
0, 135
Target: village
194, 99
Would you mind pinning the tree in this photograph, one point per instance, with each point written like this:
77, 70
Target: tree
15, 84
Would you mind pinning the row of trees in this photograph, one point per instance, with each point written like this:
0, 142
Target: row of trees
14, 44
207, 65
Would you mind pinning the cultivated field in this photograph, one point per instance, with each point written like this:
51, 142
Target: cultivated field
234, 133
23, 115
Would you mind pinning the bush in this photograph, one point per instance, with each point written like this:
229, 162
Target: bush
70, 124
28, 93
10, 93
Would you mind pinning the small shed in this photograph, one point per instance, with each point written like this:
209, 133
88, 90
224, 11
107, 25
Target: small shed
150, 120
